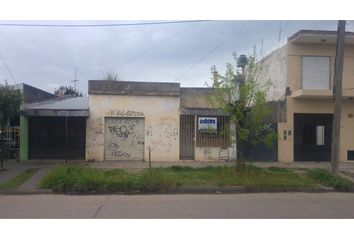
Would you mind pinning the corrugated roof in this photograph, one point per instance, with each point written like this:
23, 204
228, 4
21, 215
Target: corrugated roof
73, 103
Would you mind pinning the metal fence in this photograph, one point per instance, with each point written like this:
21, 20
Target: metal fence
11, 144
187, 136
220, 137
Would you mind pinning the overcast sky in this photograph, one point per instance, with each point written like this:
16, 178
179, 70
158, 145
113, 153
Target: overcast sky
46, 57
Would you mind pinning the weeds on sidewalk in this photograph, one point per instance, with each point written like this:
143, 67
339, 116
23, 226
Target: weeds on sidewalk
326, 178
18, 180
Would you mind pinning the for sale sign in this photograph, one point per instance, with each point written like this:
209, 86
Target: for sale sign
207, 123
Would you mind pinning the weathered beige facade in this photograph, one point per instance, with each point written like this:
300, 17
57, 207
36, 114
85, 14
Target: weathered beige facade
161, 124
129, 119
300, 100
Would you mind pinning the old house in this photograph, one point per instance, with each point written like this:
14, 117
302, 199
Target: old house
54, 129
302, 72
14, 132
128, 121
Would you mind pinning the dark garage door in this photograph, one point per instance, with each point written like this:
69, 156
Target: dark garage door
47, 138
312, 137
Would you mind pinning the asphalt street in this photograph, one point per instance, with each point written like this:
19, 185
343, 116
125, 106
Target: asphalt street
212, 206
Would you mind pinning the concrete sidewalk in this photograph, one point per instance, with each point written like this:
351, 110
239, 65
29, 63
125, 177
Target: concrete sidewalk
14, 169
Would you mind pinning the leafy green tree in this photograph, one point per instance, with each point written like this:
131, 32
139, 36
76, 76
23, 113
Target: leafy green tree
10, 101
240, 95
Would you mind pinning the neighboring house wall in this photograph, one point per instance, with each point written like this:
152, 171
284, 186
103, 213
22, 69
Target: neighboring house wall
197, 99
274, 68
296, 51
315, 106
33, 95
316, 101
30, 94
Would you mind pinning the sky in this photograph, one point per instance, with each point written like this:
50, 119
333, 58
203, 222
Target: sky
46, 57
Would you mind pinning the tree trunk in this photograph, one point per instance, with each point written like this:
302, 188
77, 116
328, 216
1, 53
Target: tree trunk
240, 163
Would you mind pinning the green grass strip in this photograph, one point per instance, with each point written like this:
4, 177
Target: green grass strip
326, 178
18, 180
79, 179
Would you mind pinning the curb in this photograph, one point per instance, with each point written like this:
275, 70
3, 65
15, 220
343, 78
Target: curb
28, 192
230, 190
181, 190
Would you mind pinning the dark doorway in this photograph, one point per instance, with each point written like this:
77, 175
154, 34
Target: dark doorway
187, 137
47, 138
312, 137
260, 152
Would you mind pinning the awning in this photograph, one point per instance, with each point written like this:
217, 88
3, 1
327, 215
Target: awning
60, 107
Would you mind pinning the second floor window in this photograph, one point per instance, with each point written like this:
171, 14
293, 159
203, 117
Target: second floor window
315, 73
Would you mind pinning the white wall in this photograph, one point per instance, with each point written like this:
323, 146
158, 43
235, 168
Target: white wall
274, 67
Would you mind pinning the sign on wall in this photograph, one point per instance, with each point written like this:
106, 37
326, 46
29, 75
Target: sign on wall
207, 123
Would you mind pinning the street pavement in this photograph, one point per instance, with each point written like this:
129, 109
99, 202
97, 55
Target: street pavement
212, 206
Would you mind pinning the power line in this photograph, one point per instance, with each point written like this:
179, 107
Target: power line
156, 46
208, 53
98, 25
8, 69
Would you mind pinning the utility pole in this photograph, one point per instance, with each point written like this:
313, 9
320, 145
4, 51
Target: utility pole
337, 95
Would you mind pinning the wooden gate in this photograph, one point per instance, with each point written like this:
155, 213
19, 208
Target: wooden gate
187, 137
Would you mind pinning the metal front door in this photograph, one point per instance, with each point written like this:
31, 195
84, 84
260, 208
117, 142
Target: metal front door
310, 144
124, 138
187, 143
46, 137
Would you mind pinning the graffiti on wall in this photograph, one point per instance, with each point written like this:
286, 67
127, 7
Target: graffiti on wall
172, 132
94, 138
122, 131
97, 126
149, 131
123, 113
115, 152
124, 138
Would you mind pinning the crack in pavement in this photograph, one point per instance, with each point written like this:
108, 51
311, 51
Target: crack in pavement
323, 205
101, 206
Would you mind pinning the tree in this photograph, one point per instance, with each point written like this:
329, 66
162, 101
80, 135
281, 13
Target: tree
68, 91
10, 101
111, 76
241, 96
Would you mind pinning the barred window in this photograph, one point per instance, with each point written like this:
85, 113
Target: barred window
213, 131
